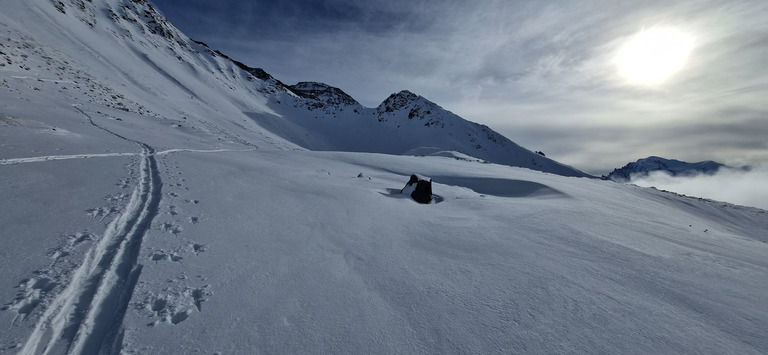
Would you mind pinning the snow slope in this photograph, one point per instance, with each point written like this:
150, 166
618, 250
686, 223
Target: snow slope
146, 213
326, 118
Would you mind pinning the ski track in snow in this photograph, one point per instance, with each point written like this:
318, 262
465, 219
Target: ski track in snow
44, 158
169, 151
61, 157
87, 316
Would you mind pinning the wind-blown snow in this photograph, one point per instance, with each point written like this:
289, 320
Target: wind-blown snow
143, 211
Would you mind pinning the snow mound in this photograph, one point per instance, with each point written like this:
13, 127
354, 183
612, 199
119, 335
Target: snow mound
439, 152
501, 187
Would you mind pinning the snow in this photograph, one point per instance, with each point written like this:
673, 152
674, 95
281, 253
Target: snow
174, 223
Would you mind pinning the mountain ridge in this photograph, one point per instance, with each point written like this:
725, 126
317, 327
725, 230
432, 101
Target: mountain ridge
645, 166
332, 101
243, 102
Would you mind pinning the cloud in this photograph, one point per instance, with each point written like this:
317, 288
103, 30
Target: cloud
541, 73
729, 185
598, 139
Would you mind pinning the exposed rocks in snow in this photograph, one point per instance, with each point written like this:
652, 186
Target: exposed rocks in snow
322, 96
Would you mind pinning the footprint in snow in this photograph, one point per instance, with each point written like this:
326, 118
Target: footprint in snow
68, 246
179, 317
162, 255
172, 228
102, 212
199, 248
174, 307
159, 305
31, 293
123, 183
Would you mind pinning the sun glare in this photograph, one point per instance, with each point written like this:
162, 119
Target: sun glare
653, 55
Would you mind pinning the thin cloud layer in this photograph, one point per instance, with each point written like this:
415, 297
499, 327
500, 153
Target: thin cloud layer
730, 185
542, 73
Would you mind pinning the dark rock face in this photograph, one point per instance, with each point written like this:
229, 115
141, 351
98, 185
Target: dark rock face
418, 108
323, 94
398, 101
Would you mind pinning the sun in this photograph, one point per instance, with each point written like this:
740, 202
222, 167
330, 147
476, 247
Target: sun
653, 55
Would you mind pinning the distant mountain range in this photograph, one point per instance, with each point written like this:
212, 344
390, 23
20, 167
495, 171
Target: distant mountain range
643, 167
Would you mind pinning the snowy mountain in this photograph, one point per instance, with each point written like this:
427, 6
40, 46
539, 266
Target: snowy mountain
158, 197
325, 118
643, 167
200, 83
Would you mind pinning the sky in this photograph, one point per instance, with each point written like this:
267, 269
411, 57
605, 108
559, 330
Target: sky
543, 73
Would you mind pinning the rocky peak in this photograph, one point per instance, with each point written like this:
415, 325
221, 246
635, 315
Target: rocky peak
406, 104
398, 101
323, 94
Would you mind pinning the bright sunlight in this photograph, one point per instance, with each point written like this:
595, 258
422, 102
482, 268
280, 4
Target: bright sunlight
653, 55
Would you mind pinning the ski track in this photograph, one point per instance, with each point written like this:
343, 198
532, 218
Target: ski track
169, 151
45, 158
87, 316
62, 157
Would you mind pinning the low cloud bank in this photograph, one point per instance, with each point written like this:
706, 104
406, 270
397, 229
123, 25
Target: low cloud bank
748, 188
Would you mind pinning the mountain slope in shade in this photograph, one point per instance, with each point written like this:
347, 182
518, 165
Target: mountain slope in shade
643, 167
207, 88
